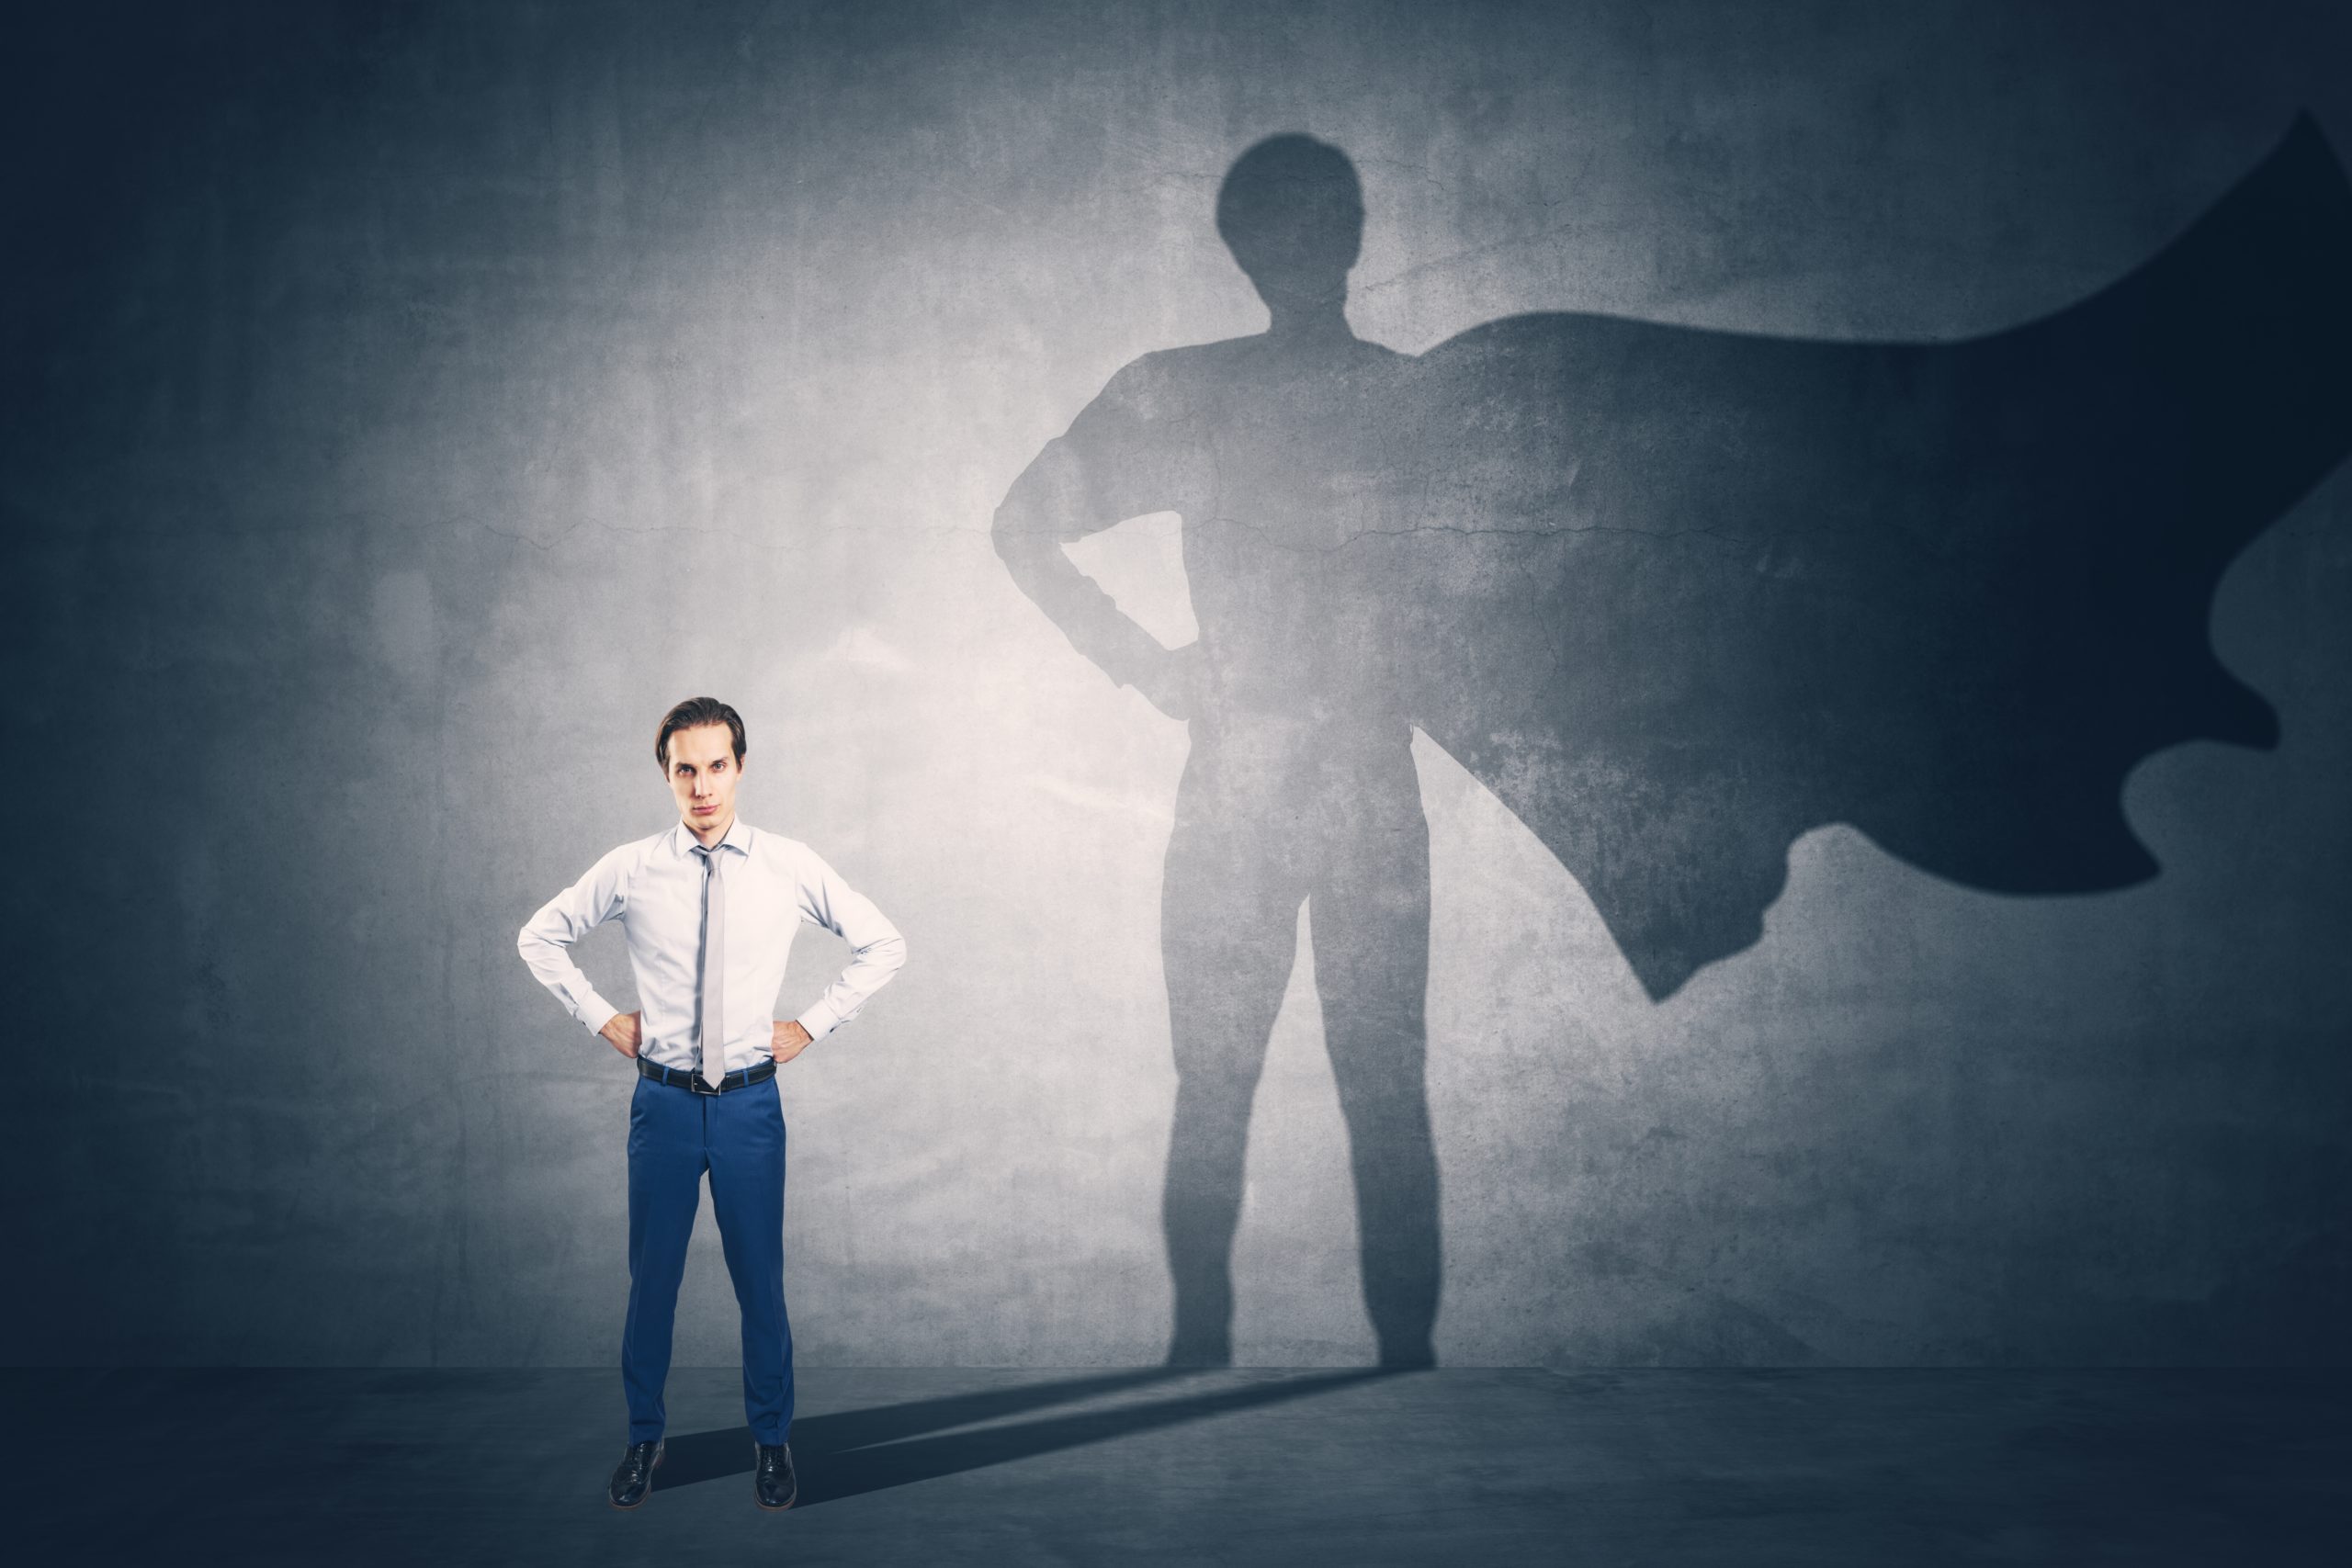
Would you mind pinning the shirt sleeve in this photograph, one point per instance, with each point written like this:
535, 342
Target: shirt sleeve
546, 938
877, 950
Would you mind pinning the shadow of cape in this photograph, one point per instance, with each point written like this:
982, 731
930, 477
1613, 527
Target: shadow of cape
1679, 596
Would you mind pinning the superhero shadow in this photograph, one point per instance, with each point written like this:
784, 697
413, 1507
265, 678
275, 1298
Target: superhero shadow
1676, 597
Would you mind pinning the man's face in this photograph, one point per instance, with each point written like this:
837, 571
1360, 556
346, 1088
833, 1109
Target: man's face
703, 773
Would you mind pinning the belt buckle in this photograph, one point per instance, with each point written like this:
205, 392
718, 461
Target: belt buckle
695, 1083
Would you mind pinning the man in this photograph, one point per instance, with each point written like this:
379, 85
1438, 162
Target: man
710, 905
1277, 451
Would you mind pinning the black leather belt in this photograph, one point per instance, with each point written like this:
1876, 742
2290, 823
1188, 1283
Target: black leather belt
678, 1077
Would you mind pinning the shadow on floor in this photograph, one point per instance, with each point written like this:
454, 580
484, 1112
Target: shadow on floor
858, 1451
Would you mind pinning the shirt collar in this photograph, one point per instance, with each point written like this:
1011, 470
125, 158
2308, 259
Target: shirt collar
738, 835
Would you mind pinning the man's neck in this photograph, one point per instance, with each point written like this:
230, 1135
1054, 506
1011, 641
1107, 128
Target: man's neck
709, 836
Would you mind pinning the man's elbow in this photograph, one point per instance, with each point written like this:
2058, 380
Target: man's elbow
531, 945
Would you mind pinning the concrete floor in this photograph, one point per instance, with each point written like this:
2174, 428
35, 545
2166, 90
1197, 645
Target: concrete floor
1295, 1468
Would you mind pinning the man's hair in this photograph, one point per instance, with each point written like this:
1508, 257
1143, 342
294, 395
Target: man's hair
692, 714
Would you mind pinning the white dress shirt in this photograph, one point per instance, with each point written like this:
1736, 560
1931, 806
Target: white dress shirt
655, 885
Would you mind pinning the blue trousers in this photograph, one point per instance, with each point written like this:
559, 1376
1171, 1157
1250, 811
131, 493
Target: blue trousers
674, 1136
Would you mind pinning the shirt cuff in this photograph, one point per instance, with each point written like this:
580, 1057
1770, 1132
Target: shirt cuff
819, 1020
596, 1013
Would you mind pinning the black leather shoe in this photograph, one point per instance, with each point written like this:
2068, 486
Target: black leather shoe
633, 1480
773, 1484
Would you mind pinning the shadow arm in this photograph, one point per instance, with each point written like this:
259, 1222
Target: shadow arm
1050, 504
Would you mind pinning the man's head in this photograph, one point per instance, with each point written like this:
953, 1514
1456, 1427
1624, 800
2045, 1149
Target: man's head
1291, 211
700, 748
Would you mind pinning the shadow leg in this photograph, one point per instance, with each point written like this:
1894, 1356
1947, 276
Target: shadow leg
1228, 917
1370, 919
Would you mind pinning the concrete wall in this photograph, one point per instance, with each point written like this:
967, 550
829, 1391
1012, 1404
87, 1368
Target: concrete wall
408, 405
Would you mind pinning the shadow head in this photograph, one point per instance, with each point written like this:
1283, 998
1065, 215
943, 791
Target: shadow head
1291, 210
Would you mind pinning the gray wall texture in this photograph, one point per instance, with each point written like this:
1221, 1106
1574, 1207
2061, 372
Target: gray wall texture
408, 404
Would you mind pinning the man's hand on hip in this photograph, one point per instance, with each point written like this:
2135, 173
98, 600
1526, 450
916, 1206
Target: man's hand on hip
625, 1031
789, 1040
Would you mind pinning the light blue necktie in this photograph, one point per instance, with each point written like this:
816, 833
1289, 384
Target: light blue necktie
714, 966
